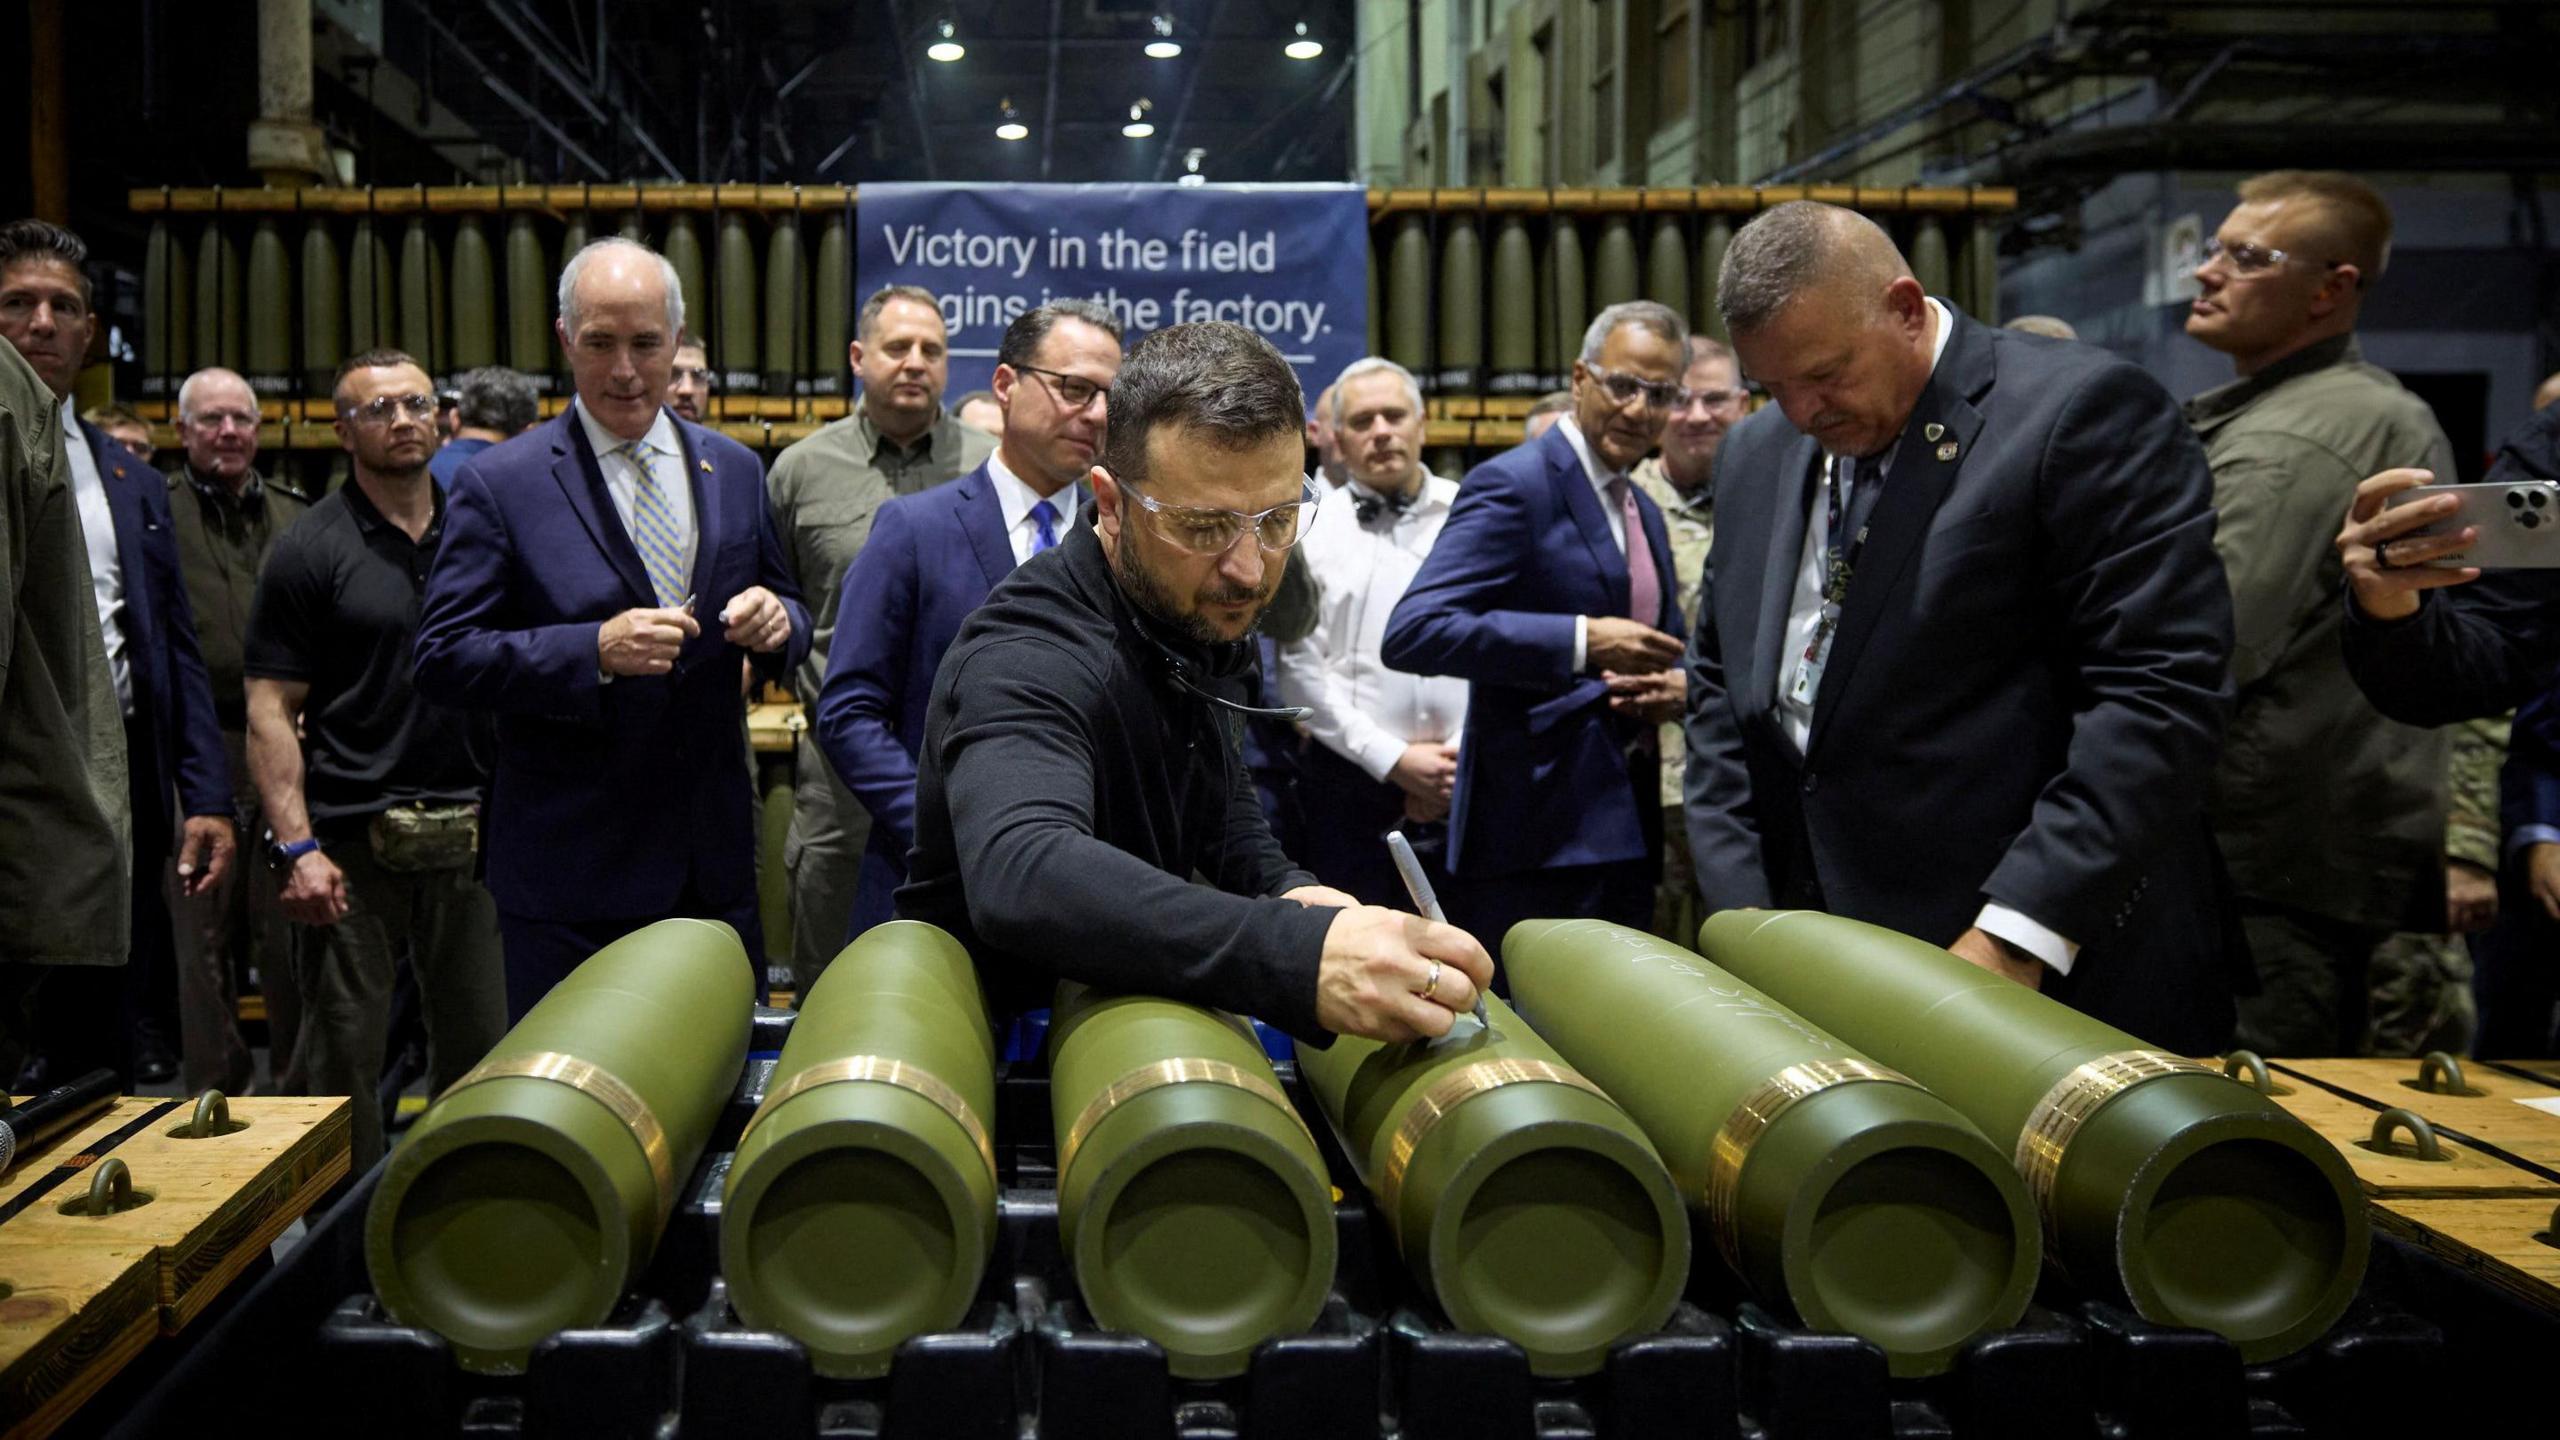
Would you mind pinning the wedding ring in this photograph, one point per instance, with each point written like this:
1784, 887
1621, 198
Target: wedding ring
1430, 983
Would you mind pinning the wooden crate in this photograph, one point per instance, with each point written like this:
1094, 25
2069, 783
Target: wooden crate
2490, 1114
70, 1318
2346, 1121
216, 1203
2507, 1243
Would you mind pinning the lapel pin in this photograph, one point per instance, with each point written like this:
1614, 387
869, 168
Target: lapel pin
1947, 451
706, 467
1932, 431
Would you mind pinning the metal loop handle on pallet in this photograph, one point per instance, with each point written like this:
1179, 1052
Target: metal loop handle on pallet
2441, 1064
110, 1188
212, 1115
2256, 1065
2421, 1134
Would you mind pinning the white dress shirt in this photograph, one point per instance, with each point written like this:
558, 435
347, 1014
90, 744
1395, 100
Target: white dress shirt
106, 562
1601, 478
1365, 712
1015, 497
622, 480
1804, 612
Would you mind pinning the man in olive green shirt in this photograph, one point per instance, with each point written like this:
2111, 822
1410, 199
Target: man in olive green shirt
1682, 481
824, 491
66, 871
2331, 818
225, 516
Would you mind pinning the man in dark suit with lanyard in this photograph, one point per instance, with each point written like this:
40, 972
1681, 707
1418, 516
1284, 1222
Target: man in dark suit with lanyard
1960, 667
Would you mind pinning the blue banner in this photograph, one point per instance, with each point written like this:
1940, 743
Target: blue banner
1289, 262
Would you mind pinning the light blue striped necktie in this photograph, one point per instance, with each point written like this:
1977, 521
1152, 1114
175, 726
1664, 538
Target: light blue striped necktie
653, 526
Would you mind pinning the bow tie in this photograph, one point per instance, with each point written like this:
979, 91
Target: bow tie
1367, 506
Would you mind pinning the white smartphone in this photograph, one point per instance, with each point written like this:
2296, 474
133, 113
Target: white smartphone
2519, 523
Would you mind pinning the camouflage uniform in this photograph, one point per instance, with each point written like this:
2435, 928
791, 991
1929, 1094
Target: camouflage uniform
1692, 526
2422, 983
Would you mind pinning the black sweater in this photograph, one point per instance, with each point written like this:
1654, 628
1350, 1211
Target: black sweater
1067, 792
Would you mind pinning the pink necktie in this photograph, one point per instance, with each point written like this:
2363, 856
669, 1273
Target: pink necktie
1644, 582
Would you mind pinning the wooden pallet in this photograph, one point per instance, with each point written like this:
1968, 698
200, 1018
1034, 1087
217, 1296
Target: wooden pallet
2346, 1121
2508, 1243
2489, 1111
70, 1318
90, 1291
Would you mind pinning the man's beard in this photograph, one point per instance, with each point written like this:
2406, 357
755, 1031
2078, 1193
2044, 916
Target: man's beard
1149, 596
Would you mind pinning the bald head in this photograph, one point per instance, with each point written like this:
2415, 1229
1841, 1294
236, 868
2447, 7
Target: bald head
218, 425
1800, 248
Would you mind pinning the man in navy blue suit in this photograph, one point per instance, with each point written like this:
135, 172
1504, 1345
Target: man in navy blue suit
181, 782
1551, 588
934, 555
580, 563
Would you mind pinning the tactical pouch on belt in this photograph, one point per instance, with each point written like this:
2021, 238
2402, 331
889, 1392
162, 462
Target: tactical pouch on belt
426, 837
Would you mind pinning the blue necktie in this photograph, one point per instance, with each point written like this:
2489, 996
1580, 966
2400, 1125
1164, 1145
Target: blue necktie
653, 528
1044, 515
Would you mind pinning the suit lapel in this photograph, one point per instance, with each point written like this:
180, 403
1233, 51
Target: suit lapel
581, 478
1582, 501
1793, 497
698, 474
1935, 442
981, 518
125, 506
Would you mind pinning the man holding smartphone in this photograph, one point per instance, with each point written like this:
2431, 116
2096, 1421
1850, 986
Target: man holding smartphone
2331, 818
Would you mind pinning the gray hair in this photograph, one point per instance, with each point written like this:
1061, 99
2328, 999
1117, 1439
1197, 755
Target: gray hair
497, 398
187, 389
577, 266
2050, 326
1370, 365
1787, 250
1706, 347
1650, 315
1554, 402
867, 320
1215, 378
1030, 329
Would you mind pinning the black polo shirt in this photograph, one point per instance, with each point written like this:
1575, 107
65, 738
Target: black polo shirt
337, 608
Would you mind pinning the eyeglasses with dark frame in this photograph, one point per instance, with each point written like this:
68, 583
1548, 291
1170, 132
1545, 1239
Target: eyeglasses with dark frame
381, 408
1072, 391
1205, 530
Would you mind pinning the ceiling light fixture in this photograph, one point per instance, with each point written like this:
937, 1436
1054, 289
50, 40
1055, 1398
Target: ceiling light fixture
1139, 127
1303, 48
1191, 168
1012, 128
946, 49
1164, 46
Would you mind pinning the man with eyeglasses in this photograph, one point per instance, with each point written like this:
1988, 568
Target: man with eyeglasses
227, 517
1552, 590
123, 427
1080, 761
180, 783
1959, 667
689, 385
2331, 818
372, 790
601, 577
825, 493
932, 558
1682, 481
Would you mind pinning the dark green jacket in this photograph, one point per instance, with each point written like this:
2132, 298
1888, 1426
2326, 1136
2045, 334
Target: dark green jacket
222, 540
66, 869
2319, 803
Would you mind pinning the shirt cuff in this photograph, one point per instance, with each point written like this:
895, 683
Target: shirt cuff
2007, 924
1377, 754
1581, 642
2525, 835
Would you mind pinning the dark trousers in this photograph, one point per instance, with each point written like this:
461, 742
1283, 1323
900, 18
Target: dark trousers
542, 952
1348, 816
2516, 977
2313, 976
236, 929
444, 925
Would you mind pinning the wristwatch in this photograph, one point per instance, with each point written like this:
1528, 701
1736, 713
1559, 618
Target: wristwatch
280, 856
